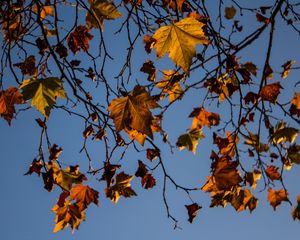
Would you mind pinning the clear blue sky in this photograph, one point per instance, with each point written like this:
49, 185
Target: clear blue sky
26, 207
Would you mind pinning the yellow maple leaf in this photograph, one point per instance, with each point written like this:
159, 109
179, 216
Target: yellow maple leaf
179, 39
68, 214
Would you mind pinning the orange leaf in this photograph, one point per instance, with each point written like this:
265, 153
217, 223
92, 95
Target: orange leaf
204, 118
287, 68
272, 173
276, 197
84, 195
270, 92
66, 215
8, 99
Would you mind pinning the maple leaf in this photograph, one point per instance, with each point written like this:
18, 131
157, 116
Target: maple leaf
68, 214
35, 166
226, 174
170, 84
180, 39
148, 67
28, 66
109, 172
190, 140
243, 199
204, 118
148, 181
132, 111
65, 178
276, 197
152, 154
79, 39
99, 11
193, 210
42, 92
55, 152
8, 99
272, 173
287, 68
270, 92
122, 187
226, 145
84, 196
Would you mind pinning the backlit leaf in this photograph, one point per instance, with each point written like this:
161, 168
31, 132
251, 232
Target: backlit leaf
122, 187
8, 99
133, 111
287, 68
270, 92
204, 118
84, 195
65, 178
66, 215
287, 134
252, 178
276, 197
272, 173
101, 10
79, 39
43, 92
179, 39
190, 140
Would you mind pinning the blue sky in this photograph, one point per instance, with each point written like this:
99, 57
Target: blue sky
26, 207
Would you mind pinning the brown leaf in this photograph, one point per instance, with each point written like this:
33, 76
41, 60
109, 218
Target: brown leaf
35, 166
41, 123
48, 180
243, 199
55, 152
142, 170
296, 210
230, 12
8, 99
28, 66
268, 73
262, 19
84, 195
62, 198
109, 172
79, 39
148, 181
276, 197
149, 42
193, 210
226, 174
148, 67
251, 97
204, 118
152, 154
252, 178
272, 173
270, 92
226, 145
61, 50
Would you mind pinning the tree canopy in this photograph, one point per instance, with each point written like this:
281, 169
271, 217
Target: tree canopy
128, 70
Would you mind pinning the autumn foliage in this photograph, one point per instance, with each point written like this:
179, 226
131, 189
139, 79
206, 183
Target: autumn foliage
247, 112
